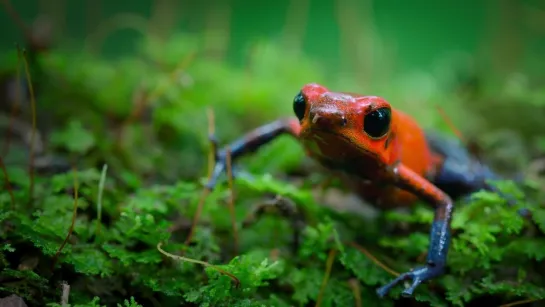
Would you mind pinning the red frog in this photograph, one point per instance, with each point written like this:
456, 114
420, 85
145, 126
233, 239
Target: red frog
383, 155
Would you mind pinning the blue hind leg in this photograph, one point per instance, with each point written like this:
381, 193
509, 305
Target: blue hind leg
462, 174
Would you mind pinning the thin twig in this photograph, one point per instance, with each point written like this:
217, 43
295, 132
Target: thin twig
99, 200
33, 133
232, 198
373, 258
355, 286
206, 191
197, 215
329, 265
74, 215
451, 125
520, 302
7, 183
203, 263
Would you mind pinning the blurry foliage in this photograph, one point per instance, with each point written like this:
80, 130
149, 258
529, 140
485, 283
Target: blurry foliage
145, 118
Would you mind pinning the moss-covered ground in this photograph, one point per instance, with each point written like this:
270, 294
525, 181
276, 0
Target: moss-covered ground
120, 153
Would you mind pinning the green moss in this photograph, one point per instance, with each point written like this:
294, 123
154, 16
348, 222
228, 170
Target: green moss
152, 184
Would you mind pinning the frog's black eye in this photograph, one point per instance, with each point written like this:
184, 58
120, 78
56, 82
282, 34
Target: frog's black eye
299, 106
377, 123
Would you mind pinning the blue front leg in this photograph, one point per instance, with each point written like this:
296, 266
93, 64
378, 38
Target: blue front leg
440, 233
436, 261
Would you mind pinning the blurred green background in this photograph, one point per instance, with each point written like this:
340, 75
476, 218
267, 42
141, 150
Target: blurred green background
127, 84
409, 35
244, 57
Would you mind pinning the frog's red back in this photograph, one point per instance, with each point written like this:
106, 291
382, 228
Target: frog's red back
412, 147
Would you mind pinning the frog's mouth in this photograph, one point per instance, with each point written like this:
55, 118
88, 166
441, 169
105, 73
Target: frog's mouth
315, 134
318, 133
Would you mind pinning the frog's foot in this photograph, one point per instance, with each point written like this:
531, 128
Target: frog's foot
418, 276
221, 167
220, 163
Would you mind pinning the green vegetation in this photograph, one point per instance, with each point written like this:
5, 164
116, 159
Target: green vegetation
129, 138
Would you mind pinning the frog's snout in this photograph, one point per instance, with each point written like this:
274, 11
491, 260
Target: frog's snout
324, 118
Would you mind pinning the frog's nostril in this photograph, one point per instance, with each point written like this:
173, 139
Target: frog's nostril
326, 119
315, 118
321, 120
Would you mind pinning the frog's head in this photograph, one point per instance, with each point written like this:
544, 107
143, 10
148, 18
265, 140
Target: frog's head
351, 122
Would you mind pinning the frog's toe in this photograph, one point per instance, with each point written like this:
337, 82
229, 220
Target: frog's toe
417, 276
384, 290
409, 291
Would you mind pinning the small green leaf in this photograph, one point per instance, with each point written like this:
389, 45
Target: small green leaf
74, 137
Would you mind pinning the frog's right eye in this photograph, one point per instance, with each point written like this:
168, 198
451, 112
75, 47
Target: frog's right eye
299, 106
377, 123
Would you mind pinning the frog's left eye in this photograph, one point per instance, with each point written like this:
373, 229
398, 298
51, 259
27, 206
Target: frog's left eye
299, 106
377, 123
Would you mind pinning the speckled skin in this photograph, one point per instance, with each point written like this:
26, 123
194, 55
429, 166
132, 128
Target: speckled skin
396, 169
